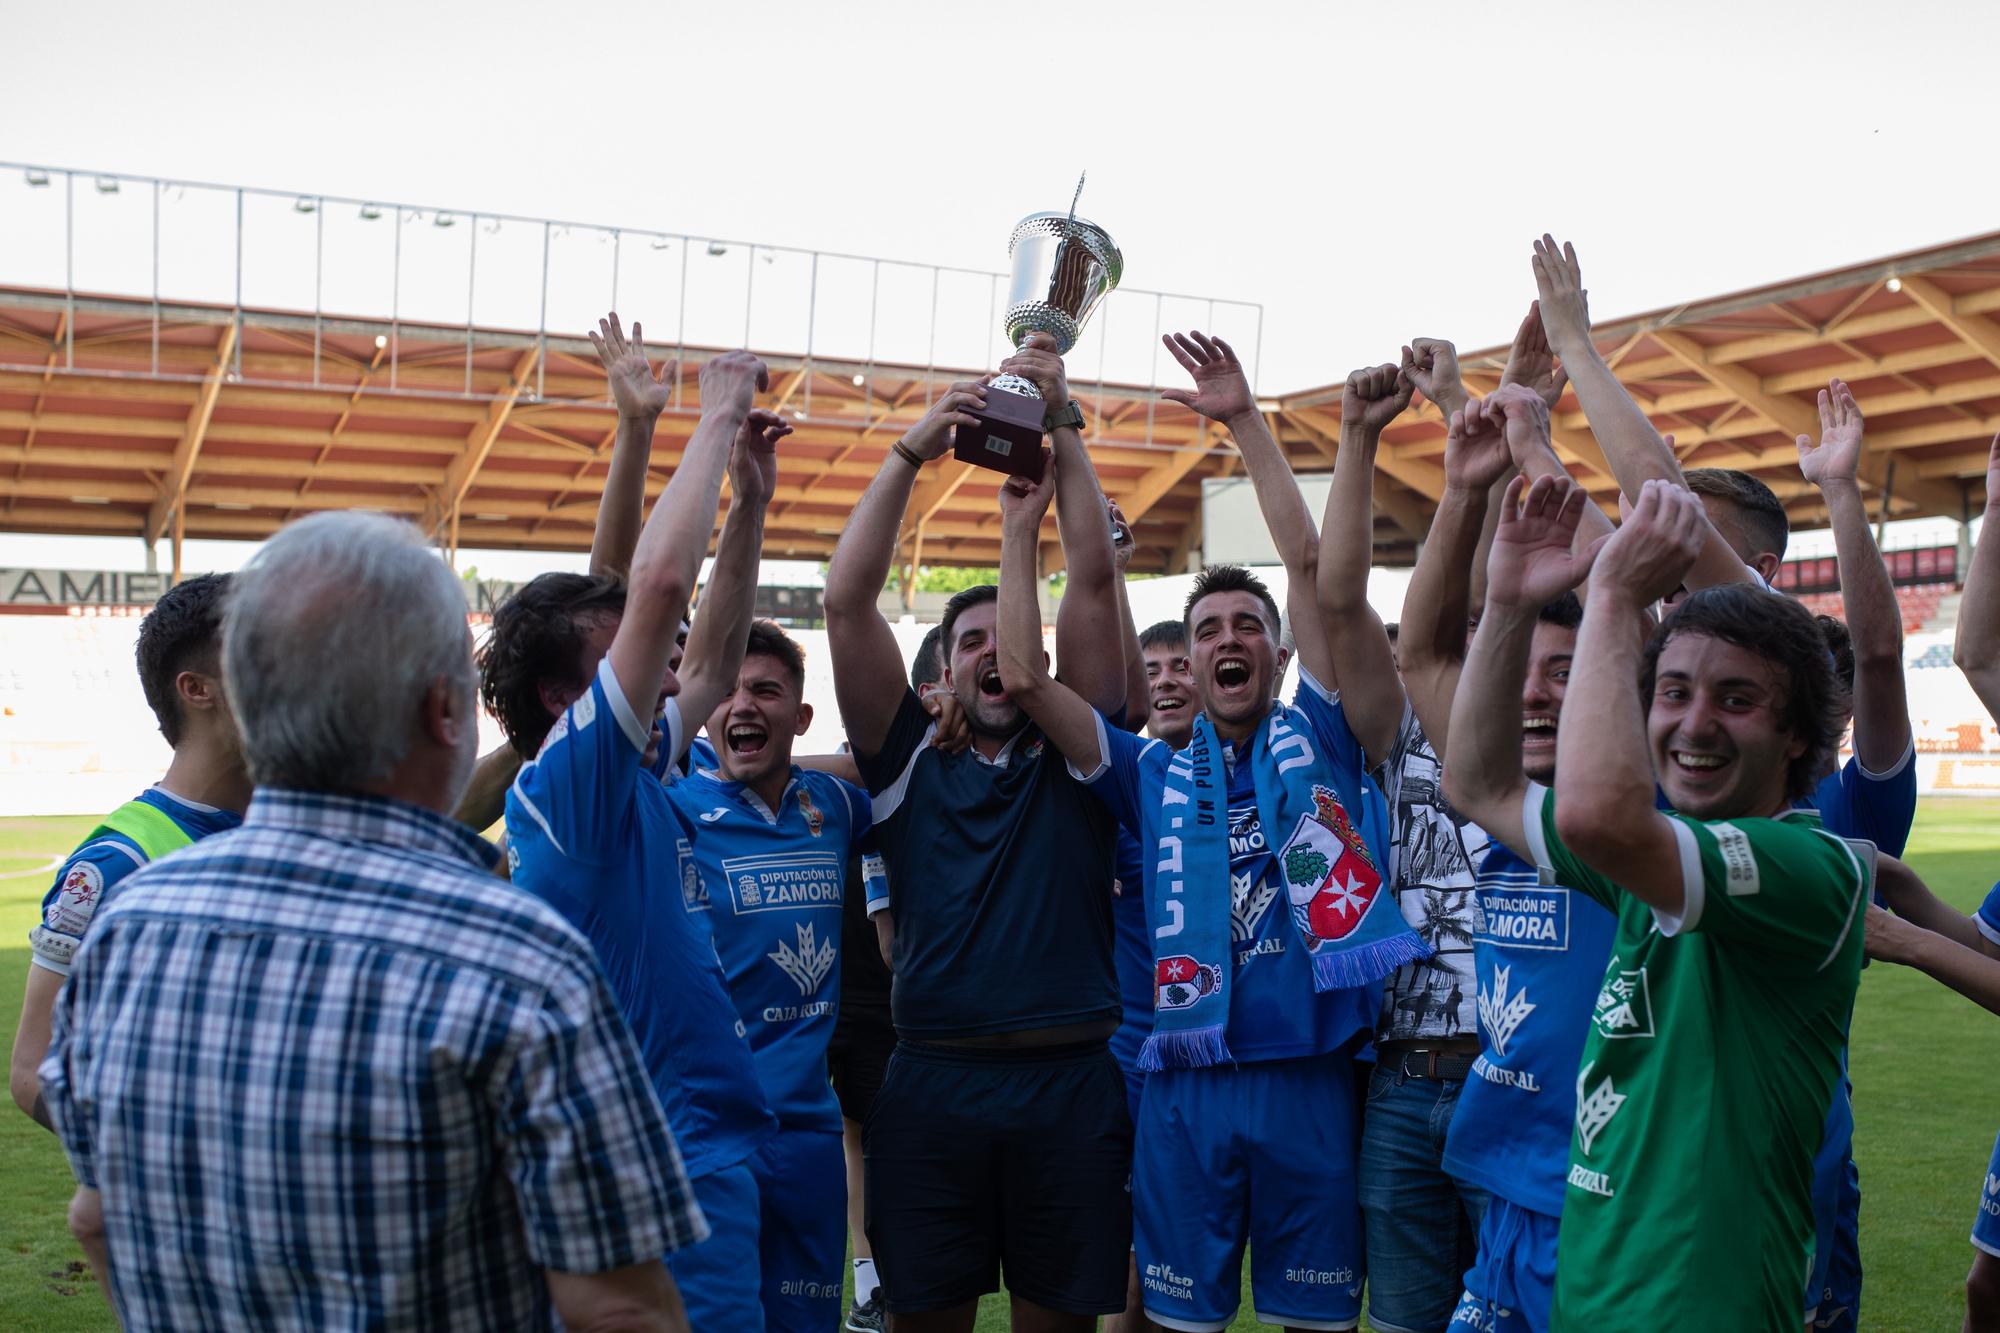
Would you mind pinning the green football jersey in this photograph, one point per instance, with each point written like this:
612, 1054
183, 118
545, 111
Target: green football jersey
1705, 1081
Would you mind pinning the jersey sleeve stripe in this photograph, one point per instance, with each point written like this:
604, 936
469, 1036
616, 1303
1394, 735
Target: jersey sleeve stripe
1694, 887
1863, 880
541, 820
621, 708
1103, 754
1533, 803
1987, 928
1307, 679
885, 804
1894, 770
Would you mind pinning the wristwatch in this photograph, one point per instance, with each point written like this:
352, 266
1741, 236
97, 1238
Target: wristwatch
1069, 415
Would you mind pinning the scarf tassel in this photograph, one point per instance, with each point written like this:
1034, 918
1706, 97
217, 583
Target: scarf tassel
1366, 964
1184, 1048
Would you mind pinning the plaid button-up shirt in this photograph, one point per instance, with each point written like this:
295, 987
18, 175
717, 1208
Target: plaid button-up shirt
326, 1071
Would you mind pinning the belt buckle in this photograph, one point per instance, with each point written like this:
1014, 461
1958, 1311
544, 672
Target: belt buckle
1429, 1069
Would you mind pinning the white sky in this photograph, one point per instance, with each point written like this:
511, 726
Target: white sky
1368, 174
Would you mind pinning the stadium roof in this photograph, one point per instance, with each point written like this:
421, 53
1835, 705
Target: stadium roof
120, 416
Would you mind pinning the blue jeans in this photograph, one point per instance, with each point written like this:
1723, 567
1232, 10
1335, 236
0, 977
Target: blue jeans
1421, 1226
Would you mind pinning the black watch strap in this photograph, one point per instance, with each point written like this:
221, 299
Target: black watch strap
1070, 415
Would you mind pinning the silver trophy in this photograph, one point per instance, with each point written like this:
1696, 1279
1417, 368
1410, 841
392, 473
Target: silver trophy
1063, 268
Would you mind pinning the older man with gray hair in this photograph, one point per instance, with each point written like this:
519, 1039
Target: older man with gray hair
326, 1071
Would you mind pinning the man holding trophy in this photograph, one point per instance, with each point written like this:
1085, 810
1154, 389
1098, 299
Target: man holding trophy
1000, 1138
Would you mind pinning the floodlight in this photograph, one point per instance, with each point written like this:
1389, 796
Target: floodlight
107, 185
1895, 284
305, 205
369, 212
444, 220
37, 179
662, 243
381, 341
860, 380
717, 248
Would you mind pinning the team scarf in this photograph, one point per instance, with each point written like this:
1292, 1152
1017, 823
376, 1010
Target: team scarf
1351, 930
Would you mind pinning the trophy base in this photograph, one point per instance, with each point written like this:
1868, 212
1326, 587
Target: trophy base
1008, 436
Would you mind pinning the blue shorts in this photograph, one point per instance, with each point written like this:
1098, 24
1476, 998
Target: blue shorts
1513, 1281
1986, 1222
984, 1159
720, 1279
1263, 1153
802, 1235
1833, 1288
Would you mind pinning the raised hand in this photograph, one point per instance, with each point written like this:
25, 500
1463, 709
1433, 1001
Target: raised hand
1122, 541
1475, 446
634, 387
1526, 419
732, 381
1564, 304
1531, 361
1024, 502
1838, 453
1431, 364
1036, 361
1221, 389
753, 459
933, 435
1650, 554
1374, 397
1531, 563
954, 732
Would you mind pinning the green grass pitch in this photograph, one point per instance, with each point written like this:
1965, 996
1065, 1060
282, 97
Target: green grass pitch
1923, 1063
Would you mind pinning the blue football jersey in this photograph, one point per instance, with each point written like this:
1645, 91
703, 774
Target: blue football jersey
1988, 916
772, 880
1274, 1011
1540, 954
1876, 807
95, 867
592, 833
1132, 952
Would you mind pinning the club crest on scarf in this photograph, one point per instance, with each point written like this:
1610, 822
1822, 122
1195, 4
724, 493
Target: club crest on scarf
1330, 877
1179, 981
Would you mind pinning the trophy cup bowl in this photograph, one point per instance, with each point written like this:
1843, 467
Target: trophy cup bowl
1062, 269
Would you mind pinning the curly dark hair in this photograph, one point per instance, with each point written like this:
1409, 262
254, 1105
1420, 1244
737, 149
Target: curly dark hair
537, 636
1784, 633
183, 632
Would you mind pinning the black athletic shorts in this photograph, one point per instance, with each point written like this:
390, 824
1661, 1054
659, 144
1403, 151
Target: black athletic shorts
858, 1058
982, 1160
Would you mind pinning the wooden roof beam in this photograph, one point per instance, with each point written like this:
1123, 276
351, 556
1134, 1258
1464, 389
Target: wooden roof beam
1153, 486
1794, 418
464, 470
1980, 332
173, 487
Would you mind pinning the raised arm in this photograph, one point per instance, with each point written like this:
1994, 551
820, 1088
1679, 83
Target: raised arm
640, 396
1533, 561
1881, 701
1222, 394
1138, 690
1976, 649
1088, 602
1437, 605
1901, 890
1631, 446
1058, 710
868, 673
1605, 788
676, 536
1972, 974
721, 626
1350, 634
485, 801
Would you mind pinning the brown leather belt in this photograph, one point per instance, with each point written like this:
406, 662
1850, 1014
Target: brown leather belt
1427, 1062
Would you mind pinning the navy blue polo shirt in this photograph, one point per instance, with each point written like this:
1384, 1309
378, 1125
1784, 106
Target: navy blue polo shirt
1002, 871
